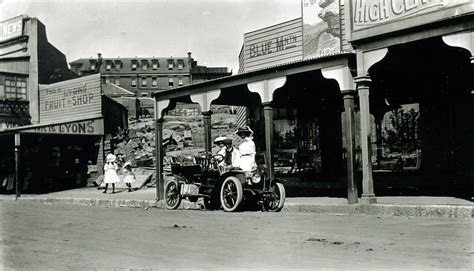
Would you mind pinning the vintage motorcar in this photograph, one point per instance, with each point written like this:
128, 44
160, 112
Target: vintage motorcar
221, 186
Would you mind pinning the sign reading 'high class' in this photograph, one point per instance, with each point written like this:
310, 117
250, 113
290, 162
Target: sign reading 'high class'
375, 17
368, 12
71, 99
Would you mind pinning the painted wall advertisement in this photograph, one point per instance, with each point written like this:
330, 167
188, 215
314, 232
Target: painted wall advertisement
273, 45
72, 99
321, 28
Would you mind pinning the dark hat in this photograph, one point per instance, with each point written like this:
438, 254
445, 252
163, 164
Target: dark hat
243, 130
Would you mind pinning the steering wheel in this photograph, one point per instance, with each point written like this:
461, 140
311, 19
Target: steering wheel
216, 159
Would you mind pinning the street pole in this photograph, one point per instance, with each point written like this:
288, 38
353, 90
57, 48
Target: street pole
17, 166
159, 159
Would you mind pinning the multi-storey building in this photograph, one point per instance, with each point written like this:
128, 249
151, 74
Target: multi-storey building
52, 123
144, 75
27, 59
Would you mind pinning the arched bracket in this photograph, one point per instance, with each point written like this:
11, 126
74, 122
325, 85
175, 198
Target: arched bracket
462, 39
205, 99
160, 107
341, 74
365, 60
266, 88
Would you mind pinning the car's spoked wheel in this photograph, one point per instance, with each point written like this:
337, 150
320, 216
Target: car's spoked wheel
231, 194
275, 202
172, 196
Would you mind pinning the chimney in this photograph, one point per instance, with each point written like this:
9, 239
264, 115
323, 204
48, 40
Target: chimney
190, 65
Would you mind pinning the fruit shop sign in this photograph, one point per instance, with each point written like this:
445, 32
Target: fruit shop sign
68, 98
72, 99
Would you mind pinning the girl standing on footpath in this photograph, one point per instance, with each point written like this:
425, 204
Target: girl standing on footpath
129, 175
110, 175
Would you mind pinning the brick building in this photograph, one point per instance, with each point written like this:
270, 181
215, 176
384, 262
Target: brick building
144, 75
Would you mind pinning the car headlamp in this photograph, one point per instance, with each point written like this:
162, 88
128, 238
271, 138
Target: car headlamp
256, 178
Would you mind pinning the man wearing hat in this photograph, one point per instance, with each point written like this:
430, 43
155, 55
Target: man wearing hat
219, 141
231, 155
246, 149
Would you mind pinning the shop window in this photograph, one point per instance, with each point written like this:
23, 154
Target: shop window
170, 82
13, 87
143, 81
154, 82
180, 81
134, 83
117, 81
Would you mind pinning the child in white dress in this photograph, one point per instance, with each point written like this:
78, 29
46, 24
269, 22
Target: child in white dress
110, 172
129, 175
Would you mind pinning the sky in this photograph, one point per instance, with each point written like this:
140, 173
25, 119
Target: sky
211, 29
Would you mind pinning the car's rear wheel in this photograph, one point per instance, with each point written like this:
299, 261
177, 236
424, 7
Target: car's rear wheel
231, 194
275, 201
172, 196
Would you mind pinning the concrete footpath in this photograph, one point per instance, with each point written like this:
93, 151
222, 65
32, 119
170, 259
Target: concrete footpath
447, 207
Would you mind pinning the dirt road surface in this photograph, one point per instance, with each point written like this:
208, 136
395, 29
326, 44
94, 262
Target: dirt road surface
37, 236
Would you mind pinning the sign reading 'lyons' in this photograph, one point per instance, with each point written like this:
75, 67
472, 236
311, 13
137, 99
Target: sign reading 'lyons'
11, 28
72, 99
86, 127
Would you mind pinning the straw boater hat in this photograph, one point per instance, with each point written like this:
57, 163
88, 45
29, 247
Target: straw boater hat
243, 130
220, 139
110, 157
127, 164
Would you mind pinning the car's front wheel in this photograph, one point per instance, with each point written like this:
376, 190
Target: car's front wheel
231, 194
172, 196
276, 200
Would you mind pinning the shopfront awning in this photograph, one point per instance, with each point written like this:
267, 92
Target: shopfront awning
241, 80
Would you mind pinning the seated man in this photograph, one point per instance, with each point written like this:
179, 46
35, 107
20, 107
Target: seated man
231, 155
